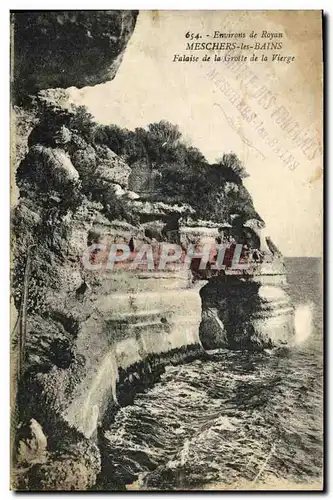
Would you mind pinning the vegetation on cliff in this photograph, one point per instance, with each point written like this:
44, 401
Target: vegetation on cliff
177, 172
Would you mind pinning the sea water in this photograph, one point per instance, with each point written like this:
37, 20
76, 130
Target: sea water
237, 420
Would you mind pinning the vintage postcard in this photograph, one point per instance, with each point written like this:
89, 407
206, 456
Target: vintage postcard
166, 250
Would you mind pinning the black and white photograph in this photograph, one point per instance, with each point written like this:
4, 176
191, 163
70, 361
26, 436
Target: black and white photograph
166, 232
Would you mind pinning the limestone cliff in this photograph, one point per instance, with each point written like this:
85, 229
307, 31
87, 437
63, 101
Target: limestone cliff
85, 341
49, 165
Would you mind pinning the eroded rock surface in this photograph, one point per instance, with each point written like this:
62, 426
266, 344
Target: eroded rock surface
90, 339
68, 48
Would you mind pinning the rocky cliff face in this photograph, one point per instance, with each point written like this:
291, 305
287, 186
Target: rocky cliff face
84, 337
68, 48
85, 341
51, 161
78, 357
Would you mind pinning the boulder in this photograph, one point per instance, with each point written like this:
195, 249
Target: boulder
131, 195
84, 161
33, 443
111, 168
117, 190
48, 168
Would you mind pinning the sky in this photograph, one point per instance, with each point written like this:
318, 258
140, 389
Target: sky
268, 112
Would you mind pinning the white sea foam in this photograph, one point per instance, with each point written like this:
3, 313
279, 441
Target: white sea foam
303, 322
